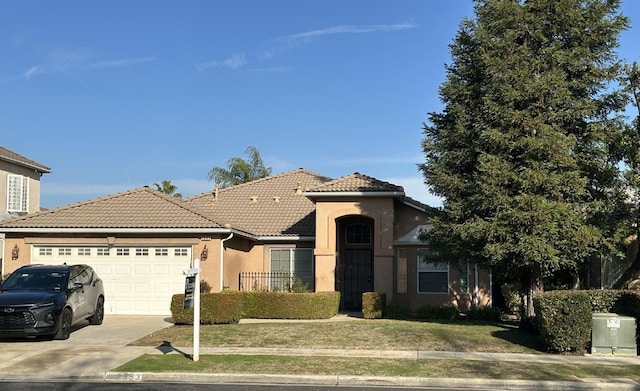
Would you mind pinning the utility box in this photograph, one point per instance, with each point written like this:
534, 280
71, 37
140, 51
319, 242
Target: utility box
613, 334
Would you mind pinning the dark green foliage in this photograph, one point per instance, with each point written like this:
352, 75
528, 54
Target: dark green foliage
564, 318
215, 308
525, 150
430, 312
231, 306
373, 305
485, 314
284, 305
398, 312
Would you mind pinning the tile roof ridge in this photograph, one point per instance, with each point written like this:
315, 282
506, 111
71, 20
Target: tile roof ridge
178, 202
272, 177
258, 181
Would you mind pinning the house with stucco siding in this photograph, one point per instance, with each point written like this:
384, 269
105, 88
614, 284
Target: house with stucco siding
298, 229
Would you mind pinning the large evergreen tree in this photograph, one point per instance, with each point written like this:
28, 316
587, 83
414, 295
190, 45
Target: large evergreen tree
522, 151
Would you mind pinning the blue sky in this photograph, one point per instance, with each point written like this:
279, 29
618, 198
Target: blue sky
118, 94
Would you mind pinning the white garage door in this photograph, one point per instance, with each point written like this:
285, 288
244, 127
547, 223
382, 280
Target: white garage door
137, 280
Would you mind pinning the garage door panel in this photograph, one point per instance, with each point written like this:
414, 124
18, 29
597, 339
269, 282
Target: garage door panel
134, 285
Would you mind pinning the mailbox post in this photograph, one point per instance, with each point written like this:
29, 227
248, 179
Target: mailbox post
192, 300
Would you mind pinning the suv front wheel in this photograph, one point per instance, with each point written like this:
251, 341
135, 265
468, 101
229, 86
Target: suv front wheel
64, 328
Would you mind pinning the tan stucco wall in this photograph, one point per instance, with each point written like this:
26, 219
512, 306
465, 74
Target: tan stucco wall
24, 254
328, 212
7, 168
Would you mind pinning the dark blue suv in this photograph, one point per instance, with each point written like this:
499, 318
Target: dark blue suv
49, 300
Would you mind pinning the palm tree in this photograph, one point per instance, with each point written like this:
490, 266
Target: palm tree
168, 188
239, 170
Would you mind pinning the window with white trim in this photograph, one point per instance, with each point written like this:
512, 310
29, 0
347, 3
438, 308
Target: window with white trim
103, 251
142, 252
291, 266
45, 251
122, 252
17, 193
84, 252
64, 251
433, 273
162, 252
180, 252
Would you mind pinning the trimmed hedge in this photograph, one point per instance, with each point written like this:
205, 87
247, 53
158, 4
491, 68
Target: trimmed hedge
565, 317
215, 308
231, 306
373, 305
285, 305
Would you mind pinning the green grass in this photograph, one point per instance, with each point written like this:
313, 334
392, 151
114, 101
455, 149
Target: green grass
458, 336
376, 367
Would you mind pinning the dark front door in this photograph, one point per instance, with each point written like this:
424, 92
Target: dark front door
358, 277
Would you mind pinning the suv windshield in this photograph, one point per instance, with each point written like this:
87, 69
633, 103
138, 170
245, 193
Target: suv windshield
36, 280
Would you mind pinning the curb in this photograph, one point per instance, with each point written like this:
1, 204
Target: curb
377, 381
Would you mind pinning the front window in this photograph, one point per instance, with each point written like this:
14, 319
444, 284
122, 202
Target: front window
17, 193
291, 266
433, 272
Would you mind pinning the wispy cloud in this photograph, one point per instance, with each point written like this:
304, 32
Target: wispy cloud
69, 60
126, 62
288, 42
234, 62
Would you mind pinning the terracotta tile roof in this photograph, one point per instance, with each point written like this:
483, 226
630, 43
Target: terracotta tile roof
272, 206
10, 156
142, 208
356, 183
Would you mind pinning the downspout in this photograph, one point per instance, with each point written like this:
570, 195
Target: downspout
222, 260
1, 257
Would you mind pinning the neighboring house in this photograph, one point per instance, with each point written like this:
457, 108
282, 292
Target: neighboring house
353, 234
19, 193
19, 184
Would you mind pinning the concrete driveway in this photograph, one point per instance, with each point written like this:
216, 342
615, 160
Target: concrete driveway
90, 352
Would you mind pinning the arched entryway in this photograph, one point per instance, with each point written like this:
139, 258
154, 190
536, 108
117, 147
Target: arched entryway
355, 260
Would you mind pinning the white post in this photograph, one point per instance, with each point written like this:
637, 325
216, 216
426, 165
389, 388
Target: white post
196, 312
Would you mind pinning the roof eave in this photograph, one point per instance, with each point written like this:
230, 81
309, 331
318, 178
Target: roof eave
292, 238
319, 194
39, 168
116, 230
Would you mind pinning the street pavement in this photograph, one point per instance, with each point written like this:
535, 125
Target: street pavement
92, 352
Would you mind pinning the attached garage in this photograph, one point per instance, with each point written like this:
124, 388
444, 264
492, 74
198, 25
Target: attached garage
138, 280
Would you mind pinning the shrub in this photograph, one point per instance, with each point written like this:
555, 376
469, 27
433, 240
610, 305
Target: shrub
429, 312
511, 295
397, 312
215, 308
373, 305
486, 314
285, 305
231, 306
564, 318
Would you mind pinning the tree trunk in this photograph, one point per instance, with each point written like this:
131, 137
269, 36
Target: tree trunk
530, 284
632, 273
